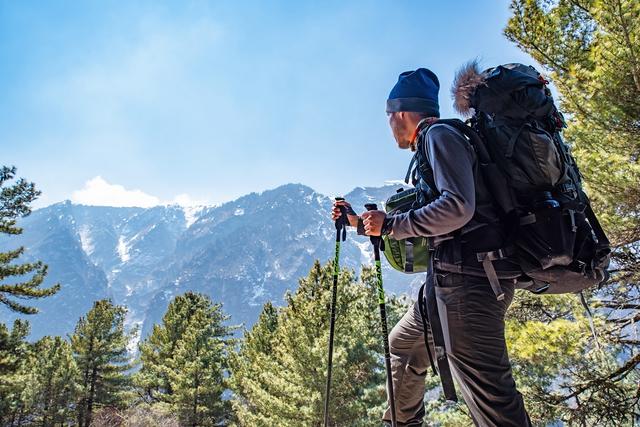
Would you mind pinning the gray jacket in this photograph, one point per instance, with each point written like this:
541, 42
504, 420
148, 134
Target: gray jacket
453, 161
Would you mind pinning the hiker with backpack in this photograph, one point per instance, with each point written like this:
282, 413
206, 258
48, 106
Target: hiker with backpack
470, 319
490, 226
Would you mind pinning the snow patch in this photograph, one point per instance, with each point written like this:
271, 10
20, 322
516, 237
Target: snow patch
278, 271
239, 212
366, 252
327, 233
86, 240
191, 214
123, 249
258, 292
111, 275
397, 182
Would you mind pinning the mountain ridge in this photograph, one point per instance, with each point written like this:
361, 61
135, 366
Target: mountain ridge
242, 253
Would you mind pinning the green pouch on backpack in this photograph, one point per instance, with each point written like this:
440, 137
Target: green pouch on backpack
406, 255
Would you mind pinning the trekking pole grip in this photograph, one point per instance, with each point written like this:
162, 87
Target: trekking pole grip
375, 240
342, 222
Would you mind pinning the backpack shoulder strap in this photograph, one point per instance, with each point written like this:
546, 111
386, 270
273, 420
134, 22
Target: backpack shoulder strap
476, 141
420, 158
412, 171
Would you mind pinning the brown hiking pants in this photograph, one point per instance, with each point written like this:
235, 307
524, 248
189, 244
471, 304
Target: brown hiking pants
473, 327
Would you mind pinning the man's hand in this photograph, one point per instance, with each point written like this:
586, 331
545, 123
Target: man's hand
373, 222
351, 215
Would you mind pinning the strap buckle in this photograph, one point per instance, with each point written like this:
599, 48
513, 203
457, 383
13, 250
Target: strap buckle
498, 254
486, 259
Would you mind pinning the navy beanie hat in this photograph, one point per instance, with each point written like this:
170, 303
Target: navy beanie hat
415, 91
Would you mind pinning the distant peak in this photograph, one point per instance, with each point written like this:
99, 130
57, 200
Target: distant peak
295, 187
289, 189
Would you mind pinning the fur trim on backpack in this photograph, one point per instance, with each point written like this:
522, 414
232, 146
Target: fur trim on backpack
467, 79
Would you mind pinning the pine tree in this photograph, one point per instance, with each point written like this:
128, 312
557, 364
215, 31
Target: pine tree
250, 380
15, 202
279, 373
56, 377
99, 345
15, 380
184, 361
37, 381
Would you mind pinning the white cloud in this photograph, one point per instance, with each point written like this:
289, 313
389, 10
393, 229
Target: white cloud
99, 192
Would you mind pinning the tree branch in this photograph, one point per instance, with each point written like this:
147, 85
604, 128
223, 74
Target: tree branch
615, 376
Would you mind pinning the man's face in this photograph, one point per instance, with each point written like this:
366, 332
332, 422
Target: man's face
400, 130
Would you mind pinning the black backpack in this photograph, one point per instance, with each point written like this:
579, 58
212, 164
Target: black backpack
515, 129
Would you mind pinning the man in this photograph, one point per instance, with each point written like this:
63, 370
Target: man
465, 319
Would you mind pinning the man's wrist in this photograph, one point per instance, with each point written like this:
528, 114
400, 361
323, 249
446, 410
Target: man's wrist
387, 225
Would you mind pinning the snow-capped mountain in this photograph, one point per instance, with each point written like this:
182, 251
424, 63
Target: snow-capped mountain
242, 253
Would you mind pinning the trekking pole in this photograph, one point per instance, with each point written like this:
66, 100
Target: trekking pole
377, 245
341, 229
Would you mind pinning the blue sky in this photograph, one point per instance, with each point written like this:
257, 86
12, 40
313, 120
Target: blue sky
145, 102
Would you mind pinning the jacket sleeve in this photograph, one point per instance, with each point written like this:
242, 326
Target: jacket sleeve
452, 160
